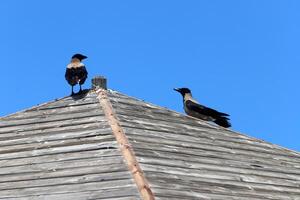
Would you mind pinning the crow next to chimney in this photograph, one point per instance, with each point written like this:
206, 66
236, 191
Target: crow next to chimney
194, 109
76, 72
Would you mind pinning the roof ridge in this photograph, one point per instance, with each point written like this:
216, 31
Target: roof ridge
125, 147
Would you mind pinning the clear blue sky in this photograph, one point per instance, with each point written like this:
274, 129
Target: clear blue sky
240, 57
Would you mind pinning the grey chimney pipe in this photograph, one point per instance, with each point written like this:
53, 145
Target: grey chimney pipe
99, 82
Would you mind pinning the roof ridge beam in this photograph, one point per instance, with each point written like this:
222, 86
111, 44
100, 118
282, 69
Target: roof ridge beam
125, 147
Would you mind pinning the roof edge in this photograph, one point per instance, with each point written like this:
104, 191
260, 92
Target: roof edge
33, 107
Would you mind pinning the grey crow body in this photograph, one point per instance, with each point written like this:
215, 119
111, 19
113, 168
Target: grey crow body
76, 72
194, 109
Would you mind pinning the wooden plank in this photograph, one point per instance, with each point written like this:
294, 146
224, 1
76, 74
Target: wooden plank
285, 157
121, 193
212, 166
188, 160
188, 133
65, 172
18, 134
46, 113
46, 167
50, 119
98, 153
217, 179
58, 123
58, 150
171, 121
173, 193
211, 146
200, 174
88, 178
197, 190
67, 101
58, 136
256, 162
54, 144
165, 126
194, 142
63, 105
67, 188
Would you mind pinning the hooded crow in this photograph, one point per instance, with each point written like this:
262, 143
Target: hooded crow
194, 109
76, 72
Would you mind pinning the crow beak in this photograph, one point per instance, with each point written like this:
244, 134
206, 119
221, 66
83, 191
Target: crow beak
84, 57
176, 89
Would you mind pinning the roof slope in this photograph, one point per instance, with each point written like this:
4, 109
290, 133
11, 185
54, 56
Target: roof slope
67, 149
185, 158
62, 150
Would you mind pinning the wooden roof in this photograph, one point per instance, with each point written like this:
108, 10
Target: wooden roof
62, 150
107, 145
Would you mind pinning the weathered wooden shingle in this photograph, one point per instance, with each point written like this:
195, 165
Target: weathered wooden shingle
62, 150
184, 158
66, 149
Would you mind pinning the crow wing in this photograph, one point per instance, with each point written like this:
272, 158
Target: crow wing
204, 110
70, 76
82, 74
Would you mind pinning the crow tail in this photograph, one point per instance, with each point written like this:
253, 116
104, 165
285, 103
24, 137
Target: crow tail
223, 121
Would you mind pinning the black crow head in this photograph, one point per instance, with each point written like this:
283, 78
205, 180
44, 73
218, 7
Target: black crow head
79, 56
183, 91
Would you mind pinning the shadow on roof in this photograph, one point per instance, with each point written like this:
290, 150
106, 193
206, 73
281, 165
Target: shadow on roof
82, 95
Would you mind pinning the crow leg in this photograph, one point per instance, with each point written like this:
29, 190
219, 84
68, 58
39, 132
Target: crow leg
72, 90
80, 88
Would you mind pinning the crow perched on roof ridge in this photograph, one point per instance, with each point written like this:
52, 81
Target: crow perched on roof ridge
76, 72
194, 109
